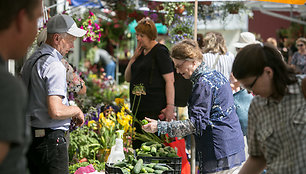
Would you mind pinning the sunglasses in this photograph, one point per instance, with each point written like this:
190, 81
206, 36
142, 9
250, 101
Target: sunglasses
146, 21
299, 45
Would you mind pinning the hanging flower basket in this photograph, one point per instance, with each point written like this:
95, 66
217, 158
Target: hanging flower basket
179, 10
208, 3
152, 5
234, 11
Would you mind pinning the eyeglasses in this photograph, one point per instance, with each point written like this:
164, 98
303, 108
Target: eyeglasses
249, 88
299, 45
180, 65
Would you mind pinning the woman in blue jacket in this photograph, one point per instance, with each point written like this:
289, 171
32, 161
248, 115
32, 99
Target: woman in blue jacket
212, 115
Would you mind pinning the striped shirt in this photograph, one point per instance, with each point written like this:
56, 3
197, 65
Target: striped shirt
223, 65
277, 131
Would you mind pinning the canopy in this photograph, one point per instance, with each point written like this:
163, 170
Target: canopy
298, 2
87, 3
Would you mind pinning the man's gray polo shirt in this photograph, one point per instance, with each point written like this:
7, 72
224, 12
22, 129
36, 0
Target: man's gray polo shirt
48, 77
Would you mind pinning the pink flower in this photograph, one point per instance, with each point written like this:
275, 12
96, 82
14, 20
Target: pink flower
97, 26
91, 13
79, 19
116, 25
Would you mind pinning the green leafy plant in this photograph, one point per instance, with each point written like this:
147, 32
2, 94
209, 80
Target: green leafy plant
83, 144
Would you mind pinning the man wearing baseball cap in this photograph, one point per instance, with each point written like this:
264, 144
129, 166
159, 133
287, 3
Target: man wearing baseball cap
48, 109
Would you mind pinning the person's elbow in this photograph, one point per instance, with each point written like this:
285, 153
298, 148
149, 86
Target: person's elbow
55, 114
127, 77
55, 107
4, 149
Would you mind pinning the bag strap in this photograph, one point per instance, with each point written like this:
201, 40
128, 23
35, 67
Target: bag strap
29, 84
216, 61
304, 87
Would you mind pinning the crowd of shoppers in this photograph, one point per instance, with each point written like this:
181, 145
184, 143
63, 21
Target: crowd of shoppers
41, 114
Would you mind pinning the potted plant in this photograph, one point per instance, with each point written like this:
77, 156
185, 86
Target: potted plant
176, 8
234, 7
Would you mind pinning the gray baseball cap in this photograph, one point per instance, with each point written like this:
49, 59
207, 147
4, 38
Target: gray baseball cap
64, 24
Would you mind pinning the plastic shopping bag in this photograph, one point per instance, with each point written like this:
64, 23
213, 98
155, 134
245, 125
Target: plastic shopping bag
180, 145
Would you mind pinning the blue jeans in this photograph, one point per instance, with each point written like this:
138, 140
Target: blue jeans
110, 69
48, 154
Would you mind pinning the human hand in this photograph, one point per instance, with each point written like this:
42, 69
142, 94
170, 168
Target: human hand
151, 127
169, 113
138, 50
78, 119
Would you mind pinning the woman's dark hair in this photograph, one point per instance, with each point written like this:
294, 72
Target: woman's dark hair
252, 60
10, 8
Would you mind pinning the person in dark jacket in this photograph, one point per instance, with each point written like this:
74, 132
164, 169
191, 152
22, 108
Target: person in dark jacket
212, 115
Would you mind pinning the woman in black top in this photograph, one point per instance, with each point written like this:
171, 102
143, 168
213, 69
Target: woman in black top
151, 66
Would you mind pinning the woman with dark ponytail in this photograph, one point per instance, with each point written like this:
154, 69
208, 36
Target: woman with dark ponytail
277, 114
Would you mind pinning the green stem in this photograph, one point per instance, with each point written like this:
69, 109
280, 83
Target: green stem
133, 102
134, 116
138, 105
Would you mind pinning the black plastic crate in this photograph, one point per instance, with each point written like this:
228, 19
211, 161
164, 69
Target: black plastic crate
116, 170
174, 162
112, 170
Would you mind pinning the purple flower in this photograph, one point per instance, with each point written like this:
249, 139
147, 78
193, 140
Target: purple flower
154, 16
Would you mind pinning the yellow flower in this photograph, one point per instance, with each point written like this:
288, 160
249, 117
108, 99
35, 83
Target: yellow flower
92, 124
92, 76
109, 123
101, 115
119, 101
